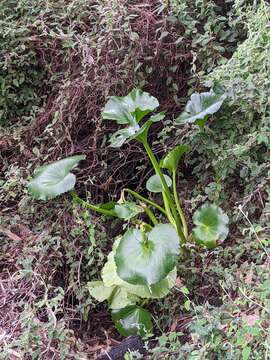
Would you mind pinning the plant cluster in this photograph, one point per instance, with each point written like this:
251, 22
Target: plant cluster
142, 263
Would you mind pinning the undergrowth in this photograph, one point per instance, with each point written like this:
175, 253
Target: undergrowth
59, 64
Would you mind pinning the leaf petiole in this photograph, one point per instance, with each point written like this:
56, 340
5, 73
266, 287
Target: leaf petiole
150, 214
166, 190
178, 206
145, 200
95, 208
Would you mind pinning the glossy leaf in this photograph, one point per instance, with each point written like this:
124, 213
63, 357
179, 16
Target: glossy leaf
125, 109
130, 110
158, 290
140, 103
171, 160
127, 210
115, 109
54, 179
133, 320
200, 106
154, 183
211, 225
147, 258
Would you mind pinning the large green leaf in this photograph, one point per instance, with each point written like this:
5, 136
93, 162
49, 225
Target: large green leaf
154, 183
119, 293
171, 160
200, 106
124, 109
147, 258
115, 109
127, 210
54, 179
158, 290
211, 225
130, 110
133, 320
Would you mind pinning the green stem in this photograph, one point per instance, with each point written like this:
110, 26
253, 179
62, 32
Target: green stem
166, 190
145, 200
95, 208
150, 214
145, 226
178, 206
168, 209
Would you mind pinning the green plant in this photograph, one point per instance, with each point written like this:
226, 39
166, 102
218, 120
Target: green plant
143, 261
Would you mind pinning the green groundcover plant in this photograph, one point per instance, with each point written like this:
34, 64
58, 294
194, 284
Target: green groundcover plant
142, 263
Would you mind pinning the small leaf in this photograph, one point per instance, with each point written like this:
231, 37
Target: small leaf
187, 305
246, 352
16, 82
171, 160
146, 259
200, 106
157, 117
154, 183
110, 205
54, 179
184, 290
212, 225
133, 320
127, 210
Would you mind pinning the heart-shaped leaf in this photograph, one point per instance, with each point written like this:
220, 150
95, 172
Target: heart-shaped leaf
211, 225
127, 210
54, 179
200, 106
147, 258
171, 160
125, 109
133, 320
154, 183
